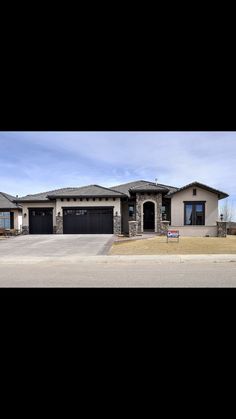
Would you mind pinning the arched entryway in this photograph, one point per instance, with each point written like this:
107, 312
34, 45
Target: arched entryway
149, 216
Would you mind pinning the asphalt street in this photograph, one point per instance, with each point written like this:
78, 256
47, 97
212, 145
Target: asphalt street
91, 273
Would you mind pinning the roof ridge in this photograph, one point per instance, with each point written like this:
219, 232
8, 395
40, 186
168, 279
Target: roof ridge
133, 181
7, 196
109, 189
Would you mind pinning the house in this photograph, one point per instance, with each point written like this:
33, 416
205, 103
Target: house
10, 213
94, 209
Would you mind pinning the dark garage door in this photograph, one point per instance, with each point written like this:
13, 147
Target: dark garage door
40, 221
96, 220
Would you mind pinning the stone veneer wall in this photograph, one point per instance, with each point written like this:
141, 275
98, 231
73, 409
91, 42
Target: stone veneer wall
117, 224
164, 227
221, 228
140, 200
59, 224
25, 229
133, 225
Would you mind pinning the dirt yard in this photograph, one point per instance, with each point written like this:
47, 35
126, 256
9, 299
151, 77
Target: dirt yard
185, 246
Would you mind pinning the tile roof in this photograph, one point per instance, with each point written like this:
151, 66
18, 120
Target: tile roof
124, 189
6, 201
143, 185
90, 190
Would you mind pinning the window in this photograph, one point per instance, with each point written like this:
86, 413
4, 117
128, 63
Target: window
194, 191
194, 213
5, 220
131, 210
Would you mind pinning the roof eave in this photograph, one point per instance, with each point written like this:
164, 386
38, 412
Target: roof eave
148, 190
32, 200
84, 196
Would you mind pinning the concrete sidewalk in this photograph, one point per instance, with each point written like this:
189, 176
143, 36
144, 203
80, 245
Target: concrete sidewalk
159, 259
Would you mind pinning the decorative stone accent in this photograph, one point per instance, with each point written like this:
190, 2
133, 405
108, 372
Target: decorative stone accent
117, 224
221, 228
140, 199
59, 225
164, 227
25, 229
133, 228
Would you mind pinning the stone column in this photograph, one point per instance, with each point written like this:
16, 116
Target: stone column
25, 229
138, 212
117, 224
59, 225
164, 227
221, 228
159, 213
133, 225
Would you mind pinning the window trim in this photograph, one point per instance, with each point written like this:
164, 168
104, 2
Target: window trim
194, 203
133, 211
9, 217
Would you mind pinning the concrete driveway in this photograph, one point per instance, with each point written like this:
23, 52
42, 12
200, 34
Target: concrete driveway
55, 245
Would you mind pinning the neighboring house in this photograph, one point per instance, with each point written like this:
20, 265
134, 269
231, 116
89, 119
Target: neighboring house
10, 213
94, 209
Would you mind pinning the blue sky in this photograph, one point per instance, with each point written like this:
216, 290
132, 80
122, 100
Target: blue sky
32, 162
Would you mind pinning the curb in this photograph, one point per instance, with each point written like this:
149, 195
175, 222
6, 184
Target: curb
214, 258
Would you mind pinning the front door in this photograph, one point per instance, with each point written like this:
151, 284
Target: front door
149, 216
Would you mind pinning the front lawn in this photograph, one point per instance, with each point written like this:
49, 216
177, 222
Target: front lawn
186, 246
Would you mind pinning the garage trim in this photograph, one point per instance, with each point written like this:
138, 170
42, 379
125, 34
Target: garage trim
38, 224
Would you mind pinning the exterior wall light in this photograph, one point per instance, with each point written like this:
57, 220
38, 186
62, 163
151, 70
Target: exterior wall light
58, 213
25, 215
221, 217
116, 213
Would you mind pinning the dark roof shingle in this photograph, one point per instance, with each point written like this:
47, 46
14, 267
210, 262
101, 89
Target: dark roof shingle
142, 185
90, 190
6, 201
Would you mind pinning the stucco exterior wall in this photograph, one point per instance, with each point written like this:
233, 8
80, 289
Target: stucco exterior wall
195, 231
27, 205
109, 203
58, 206
17, 220
177, 206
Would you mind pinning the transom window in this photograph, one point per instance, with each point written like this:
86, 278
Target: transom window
194, 213
5, 220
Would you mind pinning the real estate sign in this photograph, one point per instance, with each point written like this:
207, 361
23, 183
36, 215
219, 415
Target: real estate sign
172, 234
